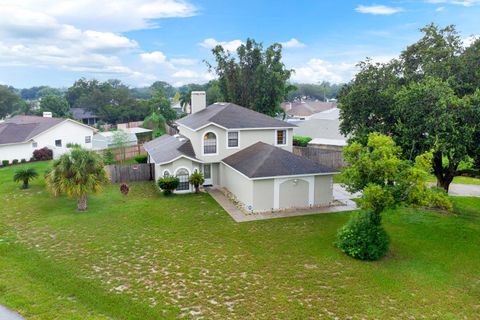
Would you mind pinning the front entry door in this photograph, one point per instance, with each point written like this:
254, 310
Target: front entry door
207, 174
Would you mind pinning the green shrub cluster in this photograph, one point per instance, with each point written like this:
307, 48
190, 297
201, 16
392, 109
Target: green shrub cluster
5, 163
108, 157
15, 161
141, 158
301, 141
168, 184
363, 237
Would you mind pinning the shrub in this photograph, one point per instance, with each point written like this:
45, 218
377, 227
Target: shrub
15, 161
25, 175
108, 157
168, 184
363, 237
301, 141
43, 154
23, 161
73, 145
141, 158
197, 180
5, 163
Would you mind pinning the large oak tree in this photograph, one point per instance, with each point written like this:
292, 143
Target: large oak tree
427, 100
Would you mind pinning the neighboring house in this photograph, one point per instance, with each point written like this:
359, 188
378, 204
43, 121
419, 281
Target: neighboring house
305, 109
21, 135
323, 128
106, 140
245, 152
84, 116
143, 135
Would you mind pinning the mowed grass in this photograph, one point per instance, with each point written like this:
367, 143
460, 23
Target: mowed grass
146, 256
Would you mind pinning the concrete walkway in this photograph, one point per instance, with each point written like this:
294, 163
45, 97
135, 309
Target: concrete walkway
342, 197
7, 314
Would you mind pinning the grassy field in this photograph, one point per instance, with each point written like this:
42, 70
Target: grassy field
145, 256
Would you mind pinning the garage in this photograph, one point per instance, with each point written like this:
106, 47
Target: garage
265, 178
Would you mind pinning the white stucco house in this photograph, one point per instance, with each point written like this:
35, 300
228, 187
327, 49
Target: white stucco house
245, 152
21, 135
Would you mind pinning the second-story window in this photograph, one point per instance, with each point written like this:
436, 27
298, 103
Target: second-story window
281, 138
210, 143
58, 143
233, 139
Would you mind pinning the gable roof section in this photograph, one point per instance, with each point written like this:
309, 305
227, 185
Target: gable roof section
168, 148
262, 160
23, 128
231, 116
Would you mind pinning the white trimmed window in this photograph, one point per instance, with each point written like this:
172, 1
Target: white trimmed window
281, 137
34, 144
58, 143
88, 139
233, 139
182, 175
210, 143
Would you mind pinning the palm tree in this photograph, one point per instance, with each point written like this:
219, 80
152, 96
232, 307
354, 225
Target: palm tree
25, 175
185, 100
77, 174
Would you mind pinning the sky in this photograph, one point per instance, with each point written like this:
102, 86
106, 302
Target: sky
46, 42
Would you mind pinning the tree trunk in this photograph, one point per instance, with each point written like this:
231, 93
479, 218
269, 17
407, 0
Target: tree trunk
82, 203
25, 184
444, 175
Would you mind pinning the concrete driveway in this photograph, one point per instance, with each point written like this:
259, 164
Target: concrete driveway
464, 190
7, 314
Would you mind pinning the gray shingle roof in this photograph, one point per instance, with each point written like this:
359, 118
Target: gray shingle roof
23, 128
263, 160
231, 116
167, 148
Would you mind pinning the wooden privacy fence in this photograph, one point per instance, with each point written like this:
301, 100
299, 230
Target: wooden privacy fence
330, 158
130, 152
133, 172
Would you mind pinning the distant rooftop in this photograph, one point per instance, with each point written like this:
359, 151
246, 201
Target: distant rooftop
23, 128
231, 116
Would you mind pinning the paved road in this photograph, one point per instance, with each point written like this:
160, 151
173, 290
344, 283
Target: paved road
464, 190
7, 314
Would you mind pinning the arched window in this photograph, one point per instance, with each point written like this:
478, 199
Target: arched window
209, 143
182, 175
166, 173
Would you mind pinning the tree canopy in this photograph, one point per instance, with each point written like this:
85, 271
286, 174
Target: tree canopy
9, 101
426, 100
253, 77
55, 104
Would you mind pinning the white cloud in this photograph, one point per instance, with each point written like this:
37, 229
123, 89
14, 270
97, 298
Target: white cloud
440, 9
185, 73
106, 15
292, 43
317, 70
465, 3
378, 9
153, 57
183, 61
468, 41
231, 46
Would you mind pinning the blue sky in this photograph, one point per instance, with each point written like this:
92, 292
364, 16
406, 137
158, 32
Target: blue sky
141, 41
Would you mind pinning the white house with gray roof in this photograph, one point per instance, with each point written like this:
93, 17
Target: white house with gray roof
245, 152
21, 135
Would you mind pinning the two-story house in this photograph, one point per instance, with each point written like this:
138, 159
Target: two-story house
245, 152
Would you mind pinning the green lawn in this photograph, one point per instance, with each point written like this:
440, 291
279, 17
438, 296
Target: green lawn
145, 256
